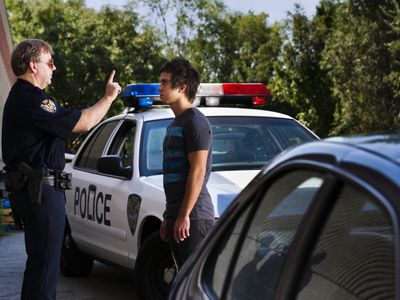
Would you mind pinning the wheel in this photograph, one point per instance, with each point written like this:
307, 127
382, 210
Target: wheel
74, 262
154, 269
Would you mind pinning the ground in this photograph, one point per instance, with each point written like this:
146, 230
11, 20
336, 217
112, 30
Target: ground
104, 283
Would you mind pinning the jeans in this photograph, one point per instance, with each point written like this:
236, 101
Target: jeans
181, 251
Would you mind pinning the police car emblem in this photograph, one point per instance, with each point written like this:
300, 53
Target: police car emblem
48, 106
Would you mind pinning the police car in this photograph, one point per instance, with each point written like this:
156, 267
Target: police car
116, 203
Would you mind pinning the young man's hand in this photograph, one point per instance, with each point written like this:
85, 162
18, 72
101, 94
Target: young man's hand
181, 229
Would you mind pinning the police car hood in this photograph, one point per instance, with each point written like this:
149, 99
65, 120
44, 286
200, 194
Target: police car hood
223, 186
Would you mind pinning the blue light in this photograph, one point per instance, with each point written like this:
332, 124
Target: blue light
145, 102
140, 94
141, 90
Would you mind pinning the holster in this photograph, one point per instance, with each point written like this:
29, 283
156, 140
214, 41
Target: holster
26, 177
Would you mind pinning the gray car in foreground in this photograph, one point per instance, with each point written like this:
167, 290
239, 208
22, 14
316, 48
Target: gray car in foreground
321, 221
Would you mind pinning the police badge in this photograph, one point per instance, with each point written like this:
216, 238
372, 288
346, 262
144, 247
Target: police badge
48, 106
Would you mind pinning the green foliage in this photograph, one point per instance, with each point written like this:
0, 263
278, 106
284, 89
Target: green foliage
360, 63
338, 72
393, 76
87, 46
300, 80
177, 21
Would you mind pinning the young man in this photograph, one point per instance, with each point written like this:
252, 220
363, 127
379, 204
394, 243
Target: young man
189, 213
34, 132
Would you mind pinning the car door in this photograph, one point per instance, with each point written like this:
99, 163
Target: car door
354, 257
254, 251
308, 234
100, 199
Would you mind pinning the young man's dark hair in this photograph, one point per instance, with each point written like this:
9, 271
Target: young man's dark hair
182, 72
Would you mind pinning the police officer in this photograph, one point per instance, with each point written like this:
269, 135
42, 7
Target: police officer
34, 131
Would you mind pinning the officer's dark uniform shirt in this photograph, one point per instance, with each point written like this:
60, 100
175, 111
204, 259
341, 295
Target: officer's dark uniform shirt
35, 128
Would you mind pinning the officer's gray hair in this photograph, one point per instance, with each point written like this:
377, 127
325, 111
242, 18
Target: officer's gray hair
25, 52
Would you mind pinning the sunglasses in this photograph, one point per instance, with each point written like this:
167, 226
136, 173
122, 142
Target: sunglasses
49, 63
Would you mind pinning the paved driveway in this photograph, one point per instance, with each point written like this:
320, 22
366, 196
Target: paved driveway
104, 283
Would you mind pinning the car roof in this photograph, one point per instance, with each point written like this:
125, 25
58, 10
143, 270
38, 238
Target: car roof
166, 113
377, 153
386, 145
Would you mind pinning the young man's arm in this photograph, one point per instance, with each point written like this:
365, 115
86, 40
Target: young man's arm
195, 179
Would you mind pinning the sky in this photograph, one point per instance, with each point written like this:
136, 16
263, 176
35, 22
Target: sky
276, 9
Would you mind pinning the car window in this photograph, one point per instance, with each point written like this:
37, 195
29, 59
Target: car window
94, 147
263, 245
355, 255
250, 142
123, 143
239, 143
151, 158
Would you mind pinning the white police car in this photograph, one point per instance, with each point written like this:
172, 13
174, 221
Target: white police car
115, 207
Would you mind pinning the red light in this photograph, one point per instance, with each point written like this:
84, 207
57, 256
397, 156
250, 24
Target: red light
259, 101
244, 89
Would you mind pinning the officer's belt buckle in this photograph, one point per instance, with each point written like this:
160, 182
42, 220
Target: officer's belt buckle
48, 180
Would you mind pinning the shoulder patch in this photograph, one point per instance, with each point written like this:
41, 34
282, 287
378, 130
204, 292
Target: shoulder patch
48, 106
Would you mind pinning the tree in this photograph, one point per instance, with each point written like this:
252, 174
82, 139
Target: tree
87, 46
236, 47
178, 21
359, 62
393, 77
301, 86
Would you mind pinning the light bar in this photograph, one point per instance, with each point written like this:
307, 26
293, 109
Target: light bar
258, 101
245, 89
210, 89
140, 94
249, 94
141, 90
209, 94
232, 89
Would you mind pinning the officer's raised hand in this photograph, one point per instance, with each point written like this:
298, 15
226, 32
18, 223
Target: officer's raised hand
112, 88
91, 116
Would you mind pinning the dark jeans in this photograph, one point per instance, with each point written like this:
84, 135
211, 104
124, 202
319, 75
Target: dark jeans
44, 232
181, 251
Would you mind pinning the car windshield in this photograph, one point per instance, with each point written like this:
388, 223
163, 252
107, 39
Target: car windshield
239, 142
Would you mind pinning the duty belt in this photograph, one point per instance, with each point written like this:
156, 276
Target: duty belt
59, 179
33, 180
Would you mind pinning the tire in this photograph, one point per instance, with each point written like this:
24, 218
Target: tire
74, 263
154, 269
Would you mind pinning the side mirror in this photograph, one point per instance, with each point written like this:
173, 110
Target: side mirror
112, 164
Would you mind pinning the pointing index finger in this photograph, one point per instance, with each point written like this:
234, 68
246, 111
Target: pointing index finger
111, 77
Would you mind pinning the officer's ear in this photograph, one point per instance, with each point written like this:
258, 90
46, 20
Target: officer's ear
33, 67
